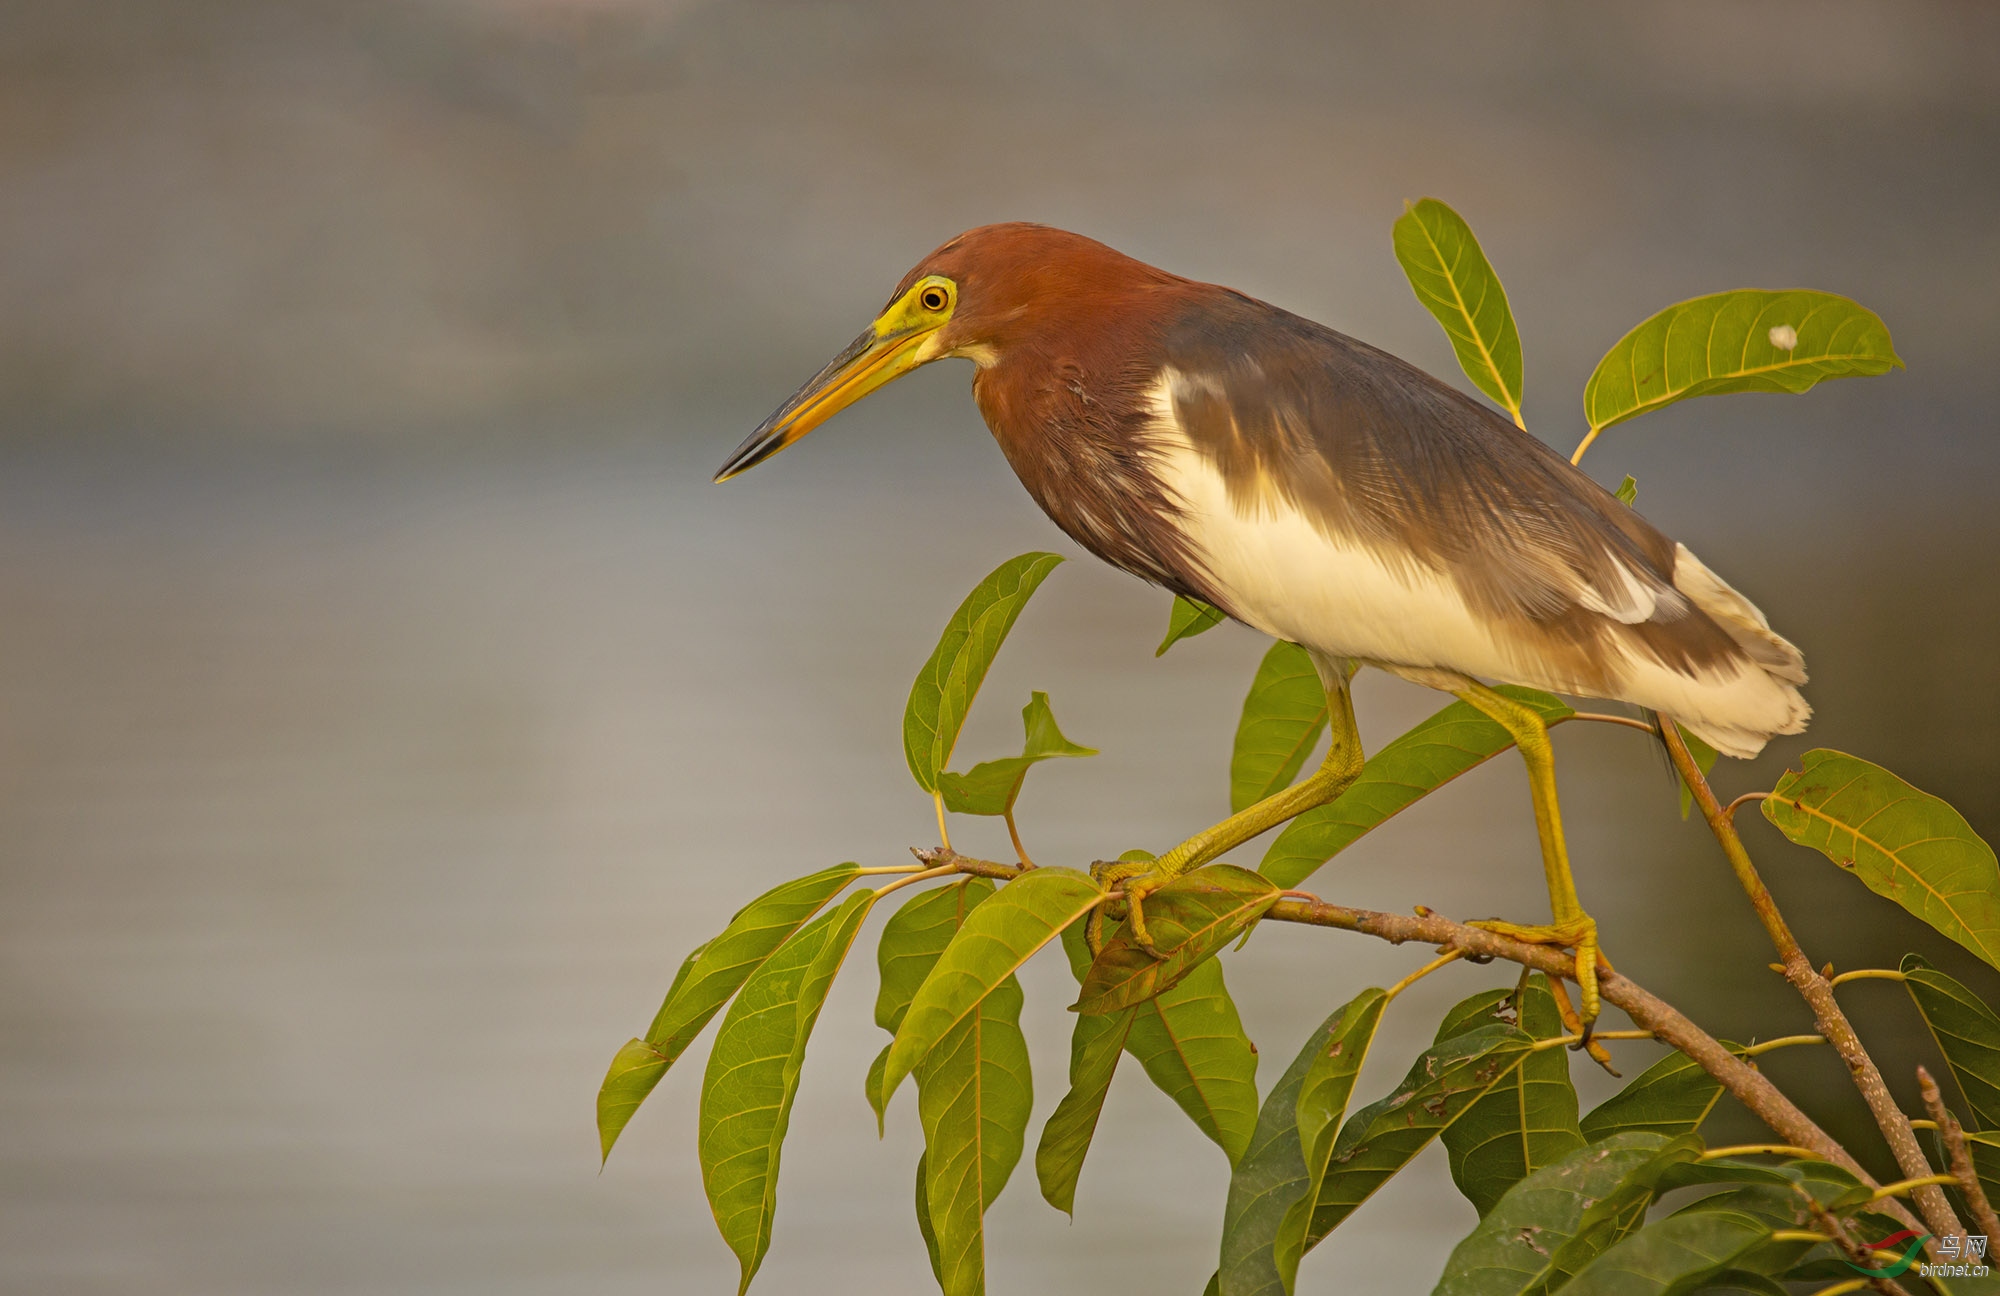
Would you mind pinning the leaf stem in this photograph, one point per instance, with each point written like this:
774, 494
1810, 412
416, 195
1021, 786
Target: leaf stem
1783, 1041
1448, 957
1842, 1288
1902, 1186
1867, 974
1555, 1040
1584, 445
944, 833
1745, 799
1760, 1149
923, 876
1816, 991
879, 870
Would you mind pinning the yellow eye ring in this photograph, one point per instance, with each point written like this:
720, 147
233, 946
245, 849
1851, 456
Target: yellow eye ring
934, 298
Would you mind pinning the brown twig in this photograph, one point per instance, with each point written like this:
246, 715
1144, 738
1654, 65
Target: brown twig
1953, 1137
1649, 1012
1817, 992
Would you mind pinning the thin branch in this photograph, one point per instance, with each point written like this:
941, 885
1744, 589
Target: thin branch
1960, 1155
1648, 1012
1817, 992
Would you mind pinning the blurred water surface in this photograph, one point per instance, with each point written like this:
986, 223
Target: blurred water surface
387, 701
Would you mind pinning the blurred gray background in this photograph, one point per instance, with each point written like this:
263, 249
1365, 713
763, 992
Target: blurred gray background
387, 701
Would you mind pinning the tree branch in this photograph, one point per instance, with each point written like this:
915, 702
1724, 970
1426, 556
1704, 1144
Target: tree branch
1953, 1138
1817, 991
1747, 1084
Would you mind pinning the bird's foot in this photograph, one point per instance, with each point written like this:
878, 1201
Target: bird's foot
1578, 933
1136, 879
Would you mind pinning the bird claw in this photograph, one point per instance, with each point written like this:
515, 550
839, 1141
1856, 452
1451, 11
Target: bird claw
1139, 881
1579, 934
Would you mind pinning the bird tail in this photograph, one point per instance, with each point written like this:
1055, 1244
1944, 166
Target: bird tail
1738, 714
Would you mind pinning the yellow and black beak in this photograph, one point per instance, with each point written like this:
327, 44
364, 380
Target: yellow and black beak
892, 346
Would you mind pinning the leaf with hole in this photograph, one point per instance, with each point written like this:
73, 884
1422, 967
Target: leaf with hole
1382, 1138
1528, 1119
1188, 619
1749, 340
1904, 844
1322, 1102
1511, 1252
1283, 716
997, 937
949, 681
990, 787
1189, 919
1406, 770
753, 1075
1272, 1176
1457, 285
706, 979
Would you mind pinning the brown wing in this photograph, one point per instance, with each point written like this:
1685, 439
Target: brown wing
1378, 452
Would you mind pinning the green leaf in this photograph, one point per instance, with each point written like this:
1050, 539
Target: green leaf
1381, 1138
1623, 1204
1628, 491
924, 1225
998, 936
1322, 1102
708, 976
1283, 716
1528, 1119
1904, 844
973, 1089
1676, 1254
991, 787
1191, 1042
1094, 1049
973, 1096
1190, 918
1705, 757
950, 680
1967, 1033
1511, 1251
1271, 1177
1733, 342
912, 941
1409, 768
1188, 619
634, 1072
753, 1075
1454, 281
718, 969
1671, 1097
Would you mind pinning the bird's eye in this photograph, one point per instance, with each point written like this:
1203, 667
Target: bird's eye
934, 298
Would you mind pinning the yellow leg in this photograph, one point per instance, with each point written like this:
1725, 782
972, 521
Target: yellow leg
1572, 928
1339, 770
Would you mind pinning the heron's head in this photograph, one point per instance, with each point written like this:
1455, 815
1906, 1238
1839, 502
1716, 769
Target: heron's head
984, 296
